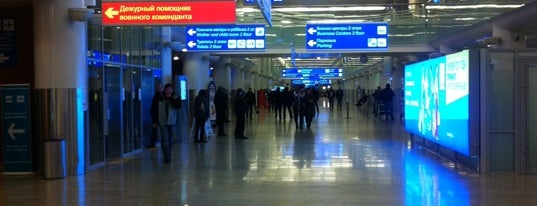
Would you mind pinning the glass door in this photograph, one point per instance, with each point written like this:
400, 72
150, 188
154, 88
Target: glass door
131, 107
96, 115
148, 89
532, 118
113, 99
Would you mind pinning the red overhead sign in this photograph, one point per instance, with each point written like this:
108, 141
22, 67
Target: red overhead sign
168, 13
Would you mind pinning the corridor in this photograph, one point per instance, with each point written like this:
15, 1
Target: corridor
360, 160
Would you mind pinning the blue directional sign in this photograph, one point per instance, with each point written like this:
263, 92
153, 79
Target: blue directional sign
364, 36
225, 37
312, 73
16, 128
308, 82
7, 42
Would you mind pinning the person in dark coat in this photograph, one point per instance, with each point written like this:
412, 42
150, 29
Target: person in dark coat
287, 102
309, 106
277, 98
165, 114
298, 107
331, 95
249, 97
240, 110
201, 113
387, 99
221, 106
339, 98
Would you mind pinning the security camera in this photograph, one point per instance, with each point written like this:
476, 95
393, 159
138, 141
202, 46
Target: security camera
79, 14
489, 41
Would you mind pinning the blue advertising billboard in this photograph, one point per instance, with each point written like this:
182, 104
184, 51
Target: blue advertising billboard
308, 73
437, 95
363, 36
249, 37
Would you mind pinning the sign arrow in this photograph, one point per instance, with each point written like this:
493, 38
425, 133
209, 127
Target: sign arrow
191, 44
312, 43
3, 58
191, 32
12, 131
110, 13
311, 30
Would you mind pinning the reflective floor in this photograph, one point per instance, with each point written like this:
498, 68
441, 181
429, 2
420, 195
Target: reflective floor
361, 160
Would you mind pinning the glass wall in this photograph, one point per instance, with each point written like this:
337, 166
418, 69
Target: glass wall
116, 57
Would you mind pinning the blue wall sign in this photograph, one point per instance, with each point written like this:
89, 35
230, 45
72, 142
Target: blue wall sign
225, 38
7, 42
312, 73
16, 128
364, 36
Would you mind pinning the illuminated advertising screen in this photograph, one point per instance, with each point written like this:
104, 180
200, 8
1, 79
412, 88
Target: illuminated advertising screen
437, 100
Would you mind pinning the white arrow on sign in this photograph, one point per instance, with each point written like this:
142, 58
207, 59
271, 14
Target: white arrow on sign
311, 30
3, 58
191, 32
191, 44
110, 13
12, 131
312, 43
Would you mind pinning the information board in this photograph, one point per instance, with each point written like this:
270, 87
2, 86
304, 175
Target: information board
7, 42
168, 13
16, 128
309, 73
249, 37
364, 36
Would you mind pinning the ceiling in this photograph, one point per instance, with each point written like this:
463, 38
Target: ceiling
415, 27
412, 25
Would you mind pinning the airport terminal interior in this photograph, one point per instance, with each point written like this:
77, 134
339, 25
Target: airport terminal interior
463, 73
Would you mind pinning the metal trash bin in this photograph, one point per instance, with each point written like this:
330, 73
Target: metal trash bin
55, 163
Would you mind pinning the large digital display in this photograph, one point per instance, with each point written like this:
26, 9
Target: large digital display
437, 100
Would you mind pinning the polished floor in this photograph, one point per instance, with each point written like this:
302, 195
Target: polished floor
341, 160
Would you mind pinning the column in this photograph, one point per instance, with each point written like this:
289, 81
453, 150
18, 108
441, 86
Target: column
166, 56
197, 71
222, 74
61, 90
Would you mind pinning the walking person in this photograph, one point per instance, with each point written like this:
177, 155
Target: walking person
331, 95
221, 106
339, 98
153, 139
287, 98
201, 113
165, 114
249, 97
387, 99
240, 110
309, 106
298, 108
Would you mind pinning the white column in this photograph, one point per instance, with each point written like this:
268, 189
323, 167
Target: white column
61, 78
197, 71
166, 56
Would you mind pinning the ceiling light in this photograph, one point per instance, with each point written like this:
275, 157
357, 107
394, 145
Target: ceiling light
286, 22
325, 9
479, 6
332, 21
175, 58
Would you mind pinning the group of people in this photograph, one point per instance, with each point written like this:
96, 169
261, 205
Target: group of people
382, 101
283, 102
165, 108
335, 94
